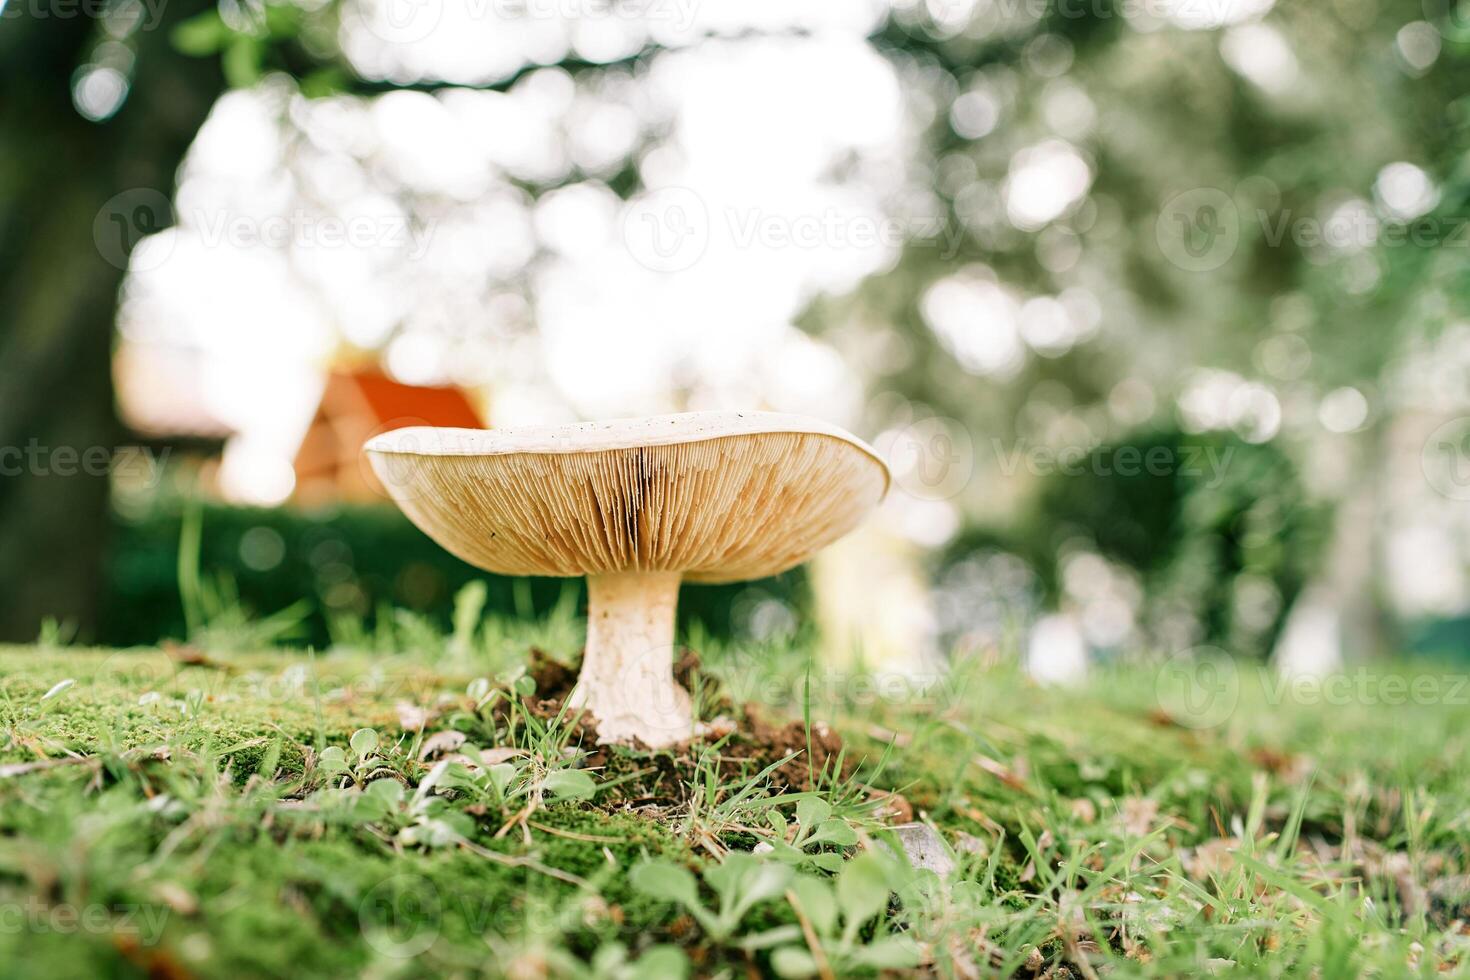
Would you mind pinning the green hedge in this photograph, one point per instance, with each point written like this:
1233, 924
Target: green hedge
349, 559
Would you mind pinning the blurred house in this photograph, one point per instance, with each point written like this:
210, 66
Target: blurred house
166, 416
356, 405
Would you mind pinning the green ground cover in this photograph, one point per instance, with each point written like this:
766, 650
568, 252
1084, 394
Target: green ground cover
196, 811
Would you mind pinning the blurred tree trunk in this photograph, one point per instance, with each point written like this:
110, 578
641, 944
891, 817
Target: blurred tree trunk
59, 288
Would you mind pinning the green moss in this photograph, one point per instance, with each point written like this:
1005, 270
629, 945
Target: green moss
165, 800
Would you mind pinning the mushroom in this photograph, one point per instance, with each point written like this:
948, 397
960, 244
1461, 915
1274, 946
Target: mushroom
636, 506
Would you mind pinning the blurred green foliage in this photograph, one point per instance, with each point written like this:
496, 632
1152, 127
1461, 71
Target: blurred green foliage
354, 561
1218, 533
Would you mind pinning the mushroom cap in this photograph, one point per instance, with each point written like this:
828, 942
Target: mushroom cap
718, 496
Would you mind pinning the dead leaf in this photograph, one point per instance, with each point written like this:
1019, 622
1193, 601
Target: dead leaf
440, 743
192, 656
1000, 771
1213, 858
892, 807
490, 757
412, 717
176, 897
1139, 814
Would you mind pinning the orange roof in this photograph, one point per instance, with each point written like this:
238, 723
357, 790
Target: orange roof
391, 401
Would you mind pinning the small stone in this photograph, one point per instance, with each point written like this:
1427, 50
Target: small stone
971, 844
924, 848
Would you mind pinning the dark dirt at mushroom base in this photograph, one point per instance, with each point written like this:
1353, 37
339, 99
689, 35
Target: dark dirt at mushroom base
742, 741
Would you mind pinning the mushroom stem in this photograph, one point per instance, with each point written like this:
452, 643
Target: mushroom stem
627, 680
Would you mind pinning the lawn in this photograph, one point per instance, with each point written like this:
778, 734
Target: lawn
208, 811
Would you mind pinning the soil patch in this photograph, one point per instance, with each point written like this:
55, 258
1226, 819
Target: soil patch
741, 741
